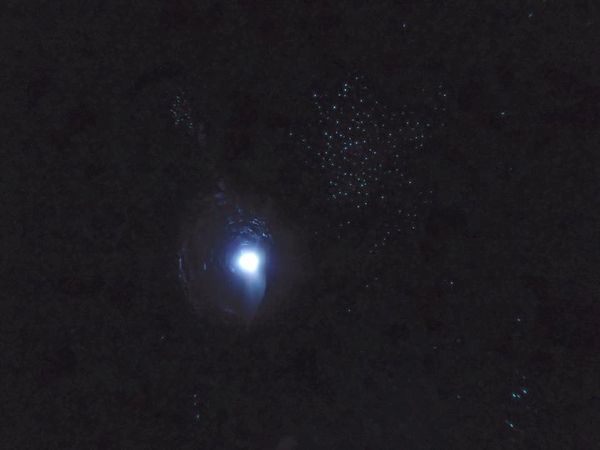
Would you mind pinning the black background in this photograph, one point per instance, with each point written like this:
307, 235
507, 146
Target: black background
499, 292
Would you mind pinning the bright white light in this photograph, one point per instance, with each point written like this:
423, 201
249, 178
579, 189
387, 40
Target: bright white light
248, 261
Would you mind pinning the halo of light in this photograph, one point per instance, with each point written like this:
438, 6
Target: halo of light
224, 260
248, 261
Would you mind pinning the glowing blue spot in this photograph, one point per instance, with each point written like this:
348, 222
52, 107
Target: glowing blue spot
248, 261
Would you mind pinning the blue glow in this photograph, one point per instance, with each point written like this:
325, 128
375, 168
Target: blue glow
224, 258
248, 261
